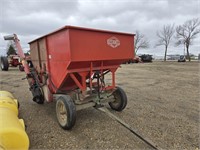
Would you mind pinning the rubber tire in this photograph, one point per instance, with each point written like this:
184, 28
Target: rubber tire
30, 64
4, 63
122, 100
38, 98
21, 67
71, 111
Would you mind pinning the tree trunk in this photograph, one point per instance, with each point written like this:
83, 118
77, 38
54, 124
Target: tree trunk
165, 53
136, 51
188, 54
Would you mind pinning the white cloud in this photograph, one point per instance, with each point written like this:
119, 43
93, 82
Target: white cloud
34, 18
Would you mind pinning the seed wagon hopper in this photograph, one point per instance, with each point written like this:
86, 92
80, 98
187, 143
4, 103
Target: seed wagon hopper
70, 65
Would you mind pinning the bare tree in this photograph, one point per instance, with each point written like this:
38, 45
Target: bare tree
165, 36
140, 41
187, 32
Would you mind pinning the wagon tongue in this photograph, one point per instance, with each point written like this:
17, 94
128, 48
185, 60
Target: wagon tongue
134, 131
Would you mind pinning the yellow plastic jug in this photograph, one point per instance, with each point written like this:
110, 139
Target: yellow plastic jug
12, 129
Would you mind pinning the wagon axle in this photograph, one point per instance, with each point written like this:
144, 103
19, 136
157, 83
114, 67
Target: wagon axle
67, 105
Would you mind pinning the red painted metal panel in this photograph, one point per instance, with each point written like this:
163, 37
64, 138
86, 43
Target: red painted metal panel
93, 46
80, 28
74, 49
58, 56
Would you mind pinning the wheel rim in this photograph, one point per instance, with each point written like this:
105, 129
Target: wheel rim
61, 113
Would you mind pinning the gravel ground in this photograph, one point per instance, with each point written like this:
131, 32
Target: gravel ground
163, 104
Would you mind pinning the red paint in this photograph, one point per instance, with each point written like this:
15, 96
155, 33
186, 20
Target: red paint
73, 54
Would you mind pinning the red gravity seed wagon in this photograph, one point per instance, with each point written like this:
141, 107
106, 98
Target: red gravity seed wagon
70, 65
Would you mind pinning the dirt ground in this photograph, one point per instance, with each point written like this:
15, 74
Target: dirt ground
163, 104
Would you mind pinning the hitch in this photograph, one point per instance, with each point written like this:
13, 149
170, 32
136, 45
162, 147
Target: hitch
127, 126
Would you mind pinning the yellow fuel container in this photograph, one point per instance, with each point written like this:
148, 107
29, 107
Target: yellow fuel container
12, 129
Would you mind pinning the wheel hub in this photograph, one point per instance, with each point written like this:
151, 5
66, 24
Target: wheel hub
61, 113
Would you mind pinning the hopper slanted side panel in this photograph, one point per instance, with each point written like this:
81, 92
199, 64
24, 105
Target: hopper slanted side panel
58, 56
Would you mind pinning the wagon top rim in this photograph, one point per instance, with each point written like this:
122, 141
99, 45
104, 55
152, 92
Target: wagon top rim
81, 28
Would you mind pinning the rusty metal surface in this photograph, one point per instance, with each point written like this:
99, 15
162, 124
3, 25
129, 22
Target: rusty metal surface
34, 54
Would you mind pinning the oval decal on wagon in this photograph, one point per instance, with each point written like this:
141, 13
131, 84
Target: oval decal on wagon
113, 42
